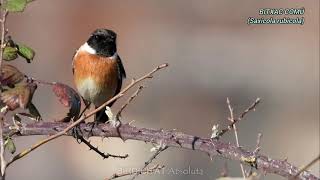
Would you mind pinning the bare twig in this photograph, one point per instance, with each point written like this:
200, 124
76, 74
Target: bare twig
235, 133
250, 108
38, 81
3, 161
145, 171
303, 169
103, 155
255, 152
3, 15
65, 131
134, 95
173, 138
158, 151
258, 146
230, 126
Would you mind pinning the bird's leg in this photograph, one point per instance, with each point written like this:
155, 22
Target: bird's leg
76, 131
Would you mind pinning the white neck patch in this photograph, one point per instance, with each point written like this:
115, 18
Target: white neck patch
86, 48
114, 56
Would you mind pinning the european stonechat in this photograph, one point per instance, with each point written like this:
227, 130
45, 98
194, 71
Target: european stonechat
98, 70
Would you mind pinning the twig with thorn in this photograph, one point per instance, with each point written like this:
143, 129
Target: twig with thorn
134, 95
154, 156
231, 118
38, 81
230, 126
103, 155
258, 146
145, 171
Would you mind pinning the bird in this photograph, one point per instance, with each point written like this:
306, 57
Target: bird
98, 71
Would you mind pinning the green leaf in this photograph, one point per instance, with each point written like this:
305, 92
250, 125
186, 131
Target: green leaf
26, 52
10, 146
10, 53
15, 5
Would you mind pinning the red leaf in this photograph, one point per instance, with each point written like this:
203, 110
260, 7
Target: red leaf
69, 98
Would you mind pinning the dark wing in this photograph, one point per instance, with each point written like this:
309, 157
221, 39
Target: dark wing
121, 76
122, 72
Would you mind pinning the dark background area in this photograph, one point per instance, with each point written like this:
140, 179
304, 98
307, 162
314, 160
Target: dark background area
213, 54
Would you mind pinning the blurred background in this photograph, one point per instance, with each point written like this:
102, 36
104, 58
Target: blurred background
213, 54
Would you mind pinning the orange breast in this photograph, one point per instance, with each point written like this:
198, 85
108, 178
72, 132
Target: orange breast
96, 77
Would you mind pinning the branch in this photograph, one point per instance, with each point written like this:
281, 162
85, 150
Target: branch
212, 147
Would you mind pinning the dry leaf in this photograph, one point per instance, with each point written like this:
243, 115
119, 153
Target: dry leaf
10, 75
19, 96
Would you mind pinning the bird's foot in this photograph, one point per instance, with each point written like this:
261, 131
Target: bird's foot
77, 133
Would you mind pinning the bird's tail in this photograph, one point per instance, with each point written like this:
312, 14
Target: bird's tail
101, 116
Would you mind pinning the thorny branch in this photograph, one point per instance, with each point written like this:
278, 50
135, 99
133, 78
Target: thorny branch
171, 138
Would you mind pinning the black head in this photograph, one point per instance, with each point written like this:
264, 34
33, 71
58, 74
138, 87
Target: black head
103, 41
